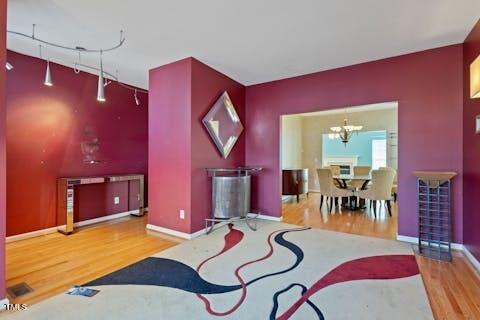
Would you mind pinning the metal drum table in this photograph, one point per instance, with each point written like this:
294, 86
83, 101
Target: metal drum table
231, 196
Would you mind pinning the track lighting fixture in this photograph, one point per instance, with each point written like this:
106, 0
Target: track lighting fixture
48, 76
80, 50
101, 83
137, 101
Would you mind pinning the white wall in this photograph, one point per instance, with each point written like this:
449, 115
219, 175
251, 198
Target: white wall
291, 142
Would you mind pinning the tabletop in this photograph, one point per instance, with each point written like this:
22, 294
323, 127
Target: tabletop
352, 177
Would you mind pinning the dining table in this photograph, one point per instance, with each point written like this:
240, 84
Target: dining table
342, 181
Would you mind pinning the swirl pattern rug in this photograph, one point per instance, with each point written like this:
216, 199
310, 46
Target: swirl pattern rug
280, 271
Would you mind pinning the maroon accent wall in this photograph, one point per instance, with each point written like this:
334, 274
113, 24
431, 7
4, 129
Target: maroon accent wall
3, 185
181, 93
207, 86
471, 143
45, 129
169, 152
428, 88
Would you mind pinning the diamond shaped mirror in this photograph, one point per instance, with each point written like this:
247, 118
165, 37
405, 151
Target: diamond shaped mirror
223, 124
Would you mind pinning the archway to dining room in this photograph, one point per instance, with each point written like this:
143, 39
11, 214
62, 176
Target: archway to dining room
338, 169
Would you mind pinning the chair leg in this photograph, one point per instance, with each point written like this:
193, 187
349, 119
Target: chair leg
321, 202
374, 208
298, 198
331, 204
336, 202
389, 207
394, 197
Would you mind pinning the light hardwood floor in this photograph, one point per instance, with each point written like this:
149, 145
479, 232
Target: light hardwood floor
453, 288
53, 263
307, 213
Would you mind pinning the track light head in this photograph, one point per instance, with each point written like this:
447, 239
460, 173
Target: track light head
101, 84
48, 76
137, 101
8, 66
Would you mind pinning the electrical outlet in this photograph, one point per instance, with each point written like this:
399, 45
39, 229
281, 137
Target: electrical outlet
116, 200
182, 214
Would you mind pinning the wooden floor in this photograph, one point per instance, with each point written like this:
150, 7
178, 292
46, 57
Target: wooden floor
306, 213
453, 288
51, 264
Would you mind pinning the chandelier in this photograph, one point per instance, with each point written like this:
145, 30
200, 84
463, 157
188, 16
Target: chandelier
344, 132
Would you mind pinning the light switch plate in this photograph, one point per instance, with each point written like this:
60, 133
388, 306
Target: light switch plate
477, 124
116, 200
182, 214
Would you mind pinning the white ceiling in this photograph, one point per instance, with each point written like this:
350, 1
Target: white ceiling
252, 41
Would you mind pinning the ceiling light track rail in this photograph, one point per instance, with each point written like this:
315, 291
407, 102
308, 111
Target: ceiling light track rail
108, 74
61, 46
102, 82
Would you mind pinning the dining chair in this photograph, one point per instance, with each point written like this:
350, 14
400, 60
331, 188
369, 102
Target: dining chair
359, 171
394, 186
328, 188
380, 189
335, 172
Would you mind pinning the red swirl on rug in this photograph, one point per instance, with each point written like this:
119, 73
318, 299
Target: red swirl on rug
232, 239
227, 247
385, 267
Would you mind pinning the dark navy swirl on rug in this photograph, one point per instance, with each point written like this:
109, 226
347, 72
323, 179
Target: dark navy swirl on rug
174, 274
162, 272
273, 313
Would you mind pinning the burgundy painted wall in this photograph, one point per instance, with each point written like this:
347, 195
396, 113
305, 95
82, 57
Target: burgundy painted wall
3, 185
207, 86
45, 128
471, 156
169, 138
428, 88
181, 93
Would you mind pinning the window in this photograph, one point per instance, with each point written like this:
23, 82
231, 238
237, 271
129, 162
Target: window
379, 153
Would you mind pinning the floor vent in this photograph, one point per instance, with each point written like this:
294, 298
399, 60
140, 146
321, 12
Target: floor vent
19, 290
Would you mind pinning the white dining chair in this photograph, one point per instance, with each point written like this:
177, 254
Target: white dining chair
328, 188
395, 185
380, 189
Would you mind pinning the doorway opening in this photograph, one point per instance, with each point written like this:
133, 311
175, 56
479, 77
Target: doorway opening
356, 144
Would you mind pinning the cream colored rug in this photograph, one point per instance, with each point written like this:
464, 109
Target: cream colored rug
280, 271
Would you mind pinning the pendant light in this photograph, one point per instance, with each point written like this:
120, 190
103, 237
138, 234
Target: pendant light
101, 83
137, 101
48, 76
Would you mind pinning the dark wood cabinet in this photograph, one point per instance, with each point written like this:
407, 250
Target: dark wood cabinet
295, 182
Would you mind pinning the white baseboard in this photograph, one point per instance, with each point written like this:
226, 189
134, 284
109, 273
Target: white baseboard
455, 246
42, 232
172, 232
104, 218
29, 235
475, 263
270, 218
190, 236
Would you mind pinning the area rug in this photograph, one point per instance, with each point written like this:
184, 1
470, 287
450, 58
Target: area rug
280, 271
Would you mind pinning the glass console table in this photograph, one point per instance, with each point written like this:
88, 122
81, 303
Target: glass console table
66, 199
